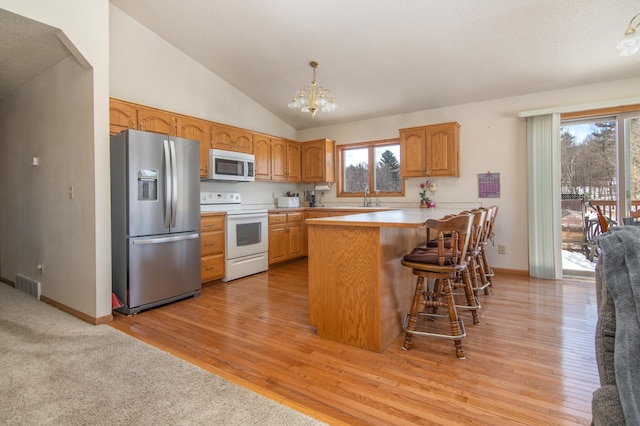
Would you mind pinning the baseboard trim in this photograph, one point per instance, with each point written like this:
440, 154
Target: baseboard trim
88, 318
8, 282
523, 272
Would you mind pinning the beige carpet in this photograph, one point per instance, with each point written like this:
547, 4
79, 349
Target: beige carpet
58, 370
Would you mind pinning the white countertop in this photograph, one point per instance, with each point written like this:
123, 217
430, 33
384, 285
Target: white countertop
403, 218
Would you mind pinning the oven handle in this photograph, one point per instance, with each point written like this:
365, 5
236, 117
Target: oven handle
246, 216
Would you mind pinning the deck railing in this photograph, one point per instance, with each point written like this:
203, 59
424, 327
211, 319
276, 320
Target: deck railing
608, 207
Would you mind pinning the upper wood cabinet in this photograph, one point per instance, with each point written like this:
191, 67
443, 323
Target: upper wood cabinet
158, 121
232, 139
430, 150
199, 130
276, 159
317, 161
122, 116
285, 160
262, 155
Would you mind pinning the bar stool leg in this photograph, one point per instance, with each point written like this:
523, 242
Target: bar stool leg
453, 319
413, 315
470, 294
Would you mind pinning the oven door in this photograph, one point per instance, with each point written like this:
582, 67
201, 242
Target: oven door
247, 234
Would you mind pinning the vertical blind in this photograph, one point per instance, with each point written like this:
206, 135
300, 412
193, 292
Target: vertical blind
543, 149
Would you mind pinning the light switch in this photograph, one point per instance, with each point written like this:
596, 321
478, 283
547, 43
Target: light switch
35, 161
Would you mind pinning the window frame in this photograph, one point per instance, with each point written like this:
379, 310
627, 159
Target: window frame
371, 145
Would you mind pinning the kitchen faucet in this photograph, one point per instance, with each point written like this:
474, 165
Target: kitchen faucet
366, 191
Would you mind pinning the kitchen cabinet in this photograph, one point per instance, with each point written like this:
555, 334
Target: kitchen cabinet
262, 156
430, 150
232, 139
317, 161
212, 240
285, 160
158, 121
199, 130
122, 116
286, 236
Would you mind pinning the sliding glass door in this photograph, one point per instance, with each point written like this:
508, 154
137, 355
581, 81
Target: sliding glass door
600, 170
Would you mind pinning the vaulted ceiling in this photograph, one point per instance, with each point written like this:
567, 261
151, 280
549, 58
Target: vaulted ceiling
379, 57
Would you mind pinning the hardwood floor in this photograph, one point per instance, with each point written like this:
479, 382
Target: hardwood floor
530, 361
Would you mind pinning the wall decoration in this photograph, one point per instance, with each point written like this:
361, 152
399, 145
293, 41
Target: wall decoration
489, 185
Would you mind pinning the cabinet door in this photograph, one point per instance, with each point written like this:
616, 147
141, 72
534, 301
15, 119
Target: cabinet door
294, 169
412, 152
295, 246
317, 161
277, 243
278, 159
199, 130
153, 120
232, 139
243, 141
122, 116
262, 154
222, 137
442, 149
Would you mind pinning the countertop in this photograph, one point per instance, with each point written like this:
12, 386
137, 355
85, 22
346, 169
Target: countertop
402, 218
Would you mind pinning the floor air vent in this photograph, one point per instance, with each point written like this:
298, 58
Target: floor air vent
27, 285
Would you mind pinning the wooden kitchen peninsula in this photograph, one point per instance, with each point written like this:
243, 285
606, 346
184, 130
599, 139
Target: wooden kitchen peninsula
359, 291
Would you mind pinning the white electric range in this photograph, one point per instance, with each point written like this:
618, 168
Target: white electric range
246, 233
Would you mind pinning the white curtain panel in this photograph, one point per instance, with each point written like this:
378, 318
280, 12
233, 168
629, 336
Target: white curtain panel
543, 149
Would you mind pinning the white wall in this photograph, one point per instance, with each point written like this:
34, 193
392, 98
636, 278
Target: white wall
492, 139
84, 282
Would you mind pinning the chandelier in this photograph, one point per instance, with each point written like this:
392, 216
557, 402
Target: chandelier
314, 98
630, 43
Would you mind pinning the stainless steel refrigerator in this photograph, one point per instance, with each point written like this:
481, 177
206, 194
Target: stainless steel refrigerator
155, 219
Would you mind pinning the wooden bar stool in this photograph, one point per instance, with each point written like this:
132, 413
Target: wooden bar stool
472, 278
441, 264
487, 282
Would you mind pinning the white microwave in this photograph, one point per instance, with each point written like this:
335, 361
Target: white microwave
231, 166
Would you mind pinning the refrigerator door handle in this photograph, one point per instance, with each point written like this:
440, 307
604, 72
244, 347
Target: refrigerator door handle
167, 184
174, 183
160, 240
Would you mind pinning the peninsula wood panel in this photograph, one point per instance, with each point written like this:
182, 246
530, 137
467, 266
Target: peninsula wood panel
359, 296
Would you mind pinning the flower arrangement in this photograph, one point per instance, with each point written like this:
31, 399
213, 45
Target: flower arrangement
431, 187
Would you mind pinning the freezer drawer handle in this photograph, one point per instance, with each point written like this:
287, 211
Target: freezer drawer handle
165, 239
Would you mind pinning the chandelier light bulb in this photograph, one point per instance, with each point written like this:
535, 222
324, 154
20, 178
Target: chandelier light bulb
630, 43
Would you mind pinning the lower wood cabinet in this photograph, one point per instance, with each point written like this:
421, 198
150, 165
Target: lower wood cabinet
212, 246
286, 236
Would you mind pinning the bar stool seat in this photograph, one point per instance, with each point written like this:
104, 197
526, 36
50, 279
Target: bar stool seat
441, 264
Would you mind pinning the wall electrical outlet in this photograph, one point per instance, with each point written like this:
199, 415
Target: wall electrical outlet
502, 249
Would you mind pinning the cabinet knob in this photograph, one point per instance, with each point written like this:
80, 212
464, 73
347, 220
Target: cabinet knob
210, 243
